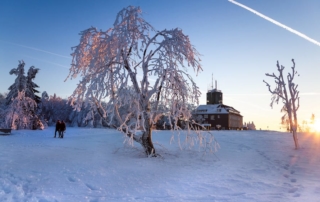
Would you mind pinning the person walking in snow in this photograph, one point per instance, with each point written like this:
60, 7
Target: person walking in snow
58, 126
62, 129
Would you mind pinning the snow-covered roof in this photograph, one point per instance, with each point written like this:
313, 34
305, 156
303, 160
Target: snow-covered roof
215, 109
214, 90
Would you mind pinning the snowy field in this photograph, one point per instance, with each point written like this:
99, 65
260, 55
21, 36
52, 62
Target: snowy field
95, 165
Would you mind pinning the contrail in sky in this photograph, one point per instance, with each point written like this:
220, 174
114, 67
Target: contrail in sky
47, 62
36, 49
276, 22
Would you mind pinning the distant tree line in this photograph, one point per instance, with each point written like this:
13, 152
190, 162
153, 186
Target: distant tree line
23, 108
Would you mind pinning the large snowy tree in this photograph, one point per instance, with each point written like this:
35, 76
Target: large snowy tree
133, 55
20, 113
289, 95
23, 91
23, 83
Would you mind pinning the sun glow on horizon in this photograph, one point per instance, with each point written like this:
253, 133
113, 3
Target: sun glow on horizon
316, 125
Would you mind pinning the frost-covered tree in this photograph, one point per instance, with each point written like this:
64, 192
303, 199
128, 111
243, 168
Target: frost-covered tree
42, 110
54, 108
20, 83
3, 98
77, 117
132, 54
285, 120
23, 83
31, 86
2, 108
88, 116
289, 95
251, 126
20, 113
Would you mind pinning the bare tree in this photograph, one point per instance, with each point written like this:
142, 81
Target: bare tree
289, 95
133, 55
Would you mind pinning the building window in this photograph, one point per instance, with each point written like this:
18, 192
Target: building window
202, 110
218, 116
205, 116
212, 117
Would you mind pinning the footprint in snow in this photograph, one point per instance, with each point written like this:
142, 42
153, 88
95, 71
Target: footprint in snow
94, 200
43, 200
293, 180
263, 155
91, 187
286, 167
71, 179
293, 190
296, 195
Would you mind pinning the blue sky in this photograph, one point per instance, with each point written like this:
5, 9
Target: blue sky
237, 46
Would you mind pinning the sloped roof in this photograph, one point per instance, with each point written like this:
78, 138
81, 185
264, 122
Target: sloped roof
215, 109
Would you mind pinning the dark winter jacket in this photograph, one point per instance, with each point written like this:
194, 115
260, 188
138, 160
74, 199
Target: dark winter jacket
63, 126
58, 126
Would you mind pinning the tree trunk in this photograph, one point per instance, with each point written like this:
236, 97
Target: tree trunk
12, 121
295, 138
147, 142
295, 122
293, 128
147, 134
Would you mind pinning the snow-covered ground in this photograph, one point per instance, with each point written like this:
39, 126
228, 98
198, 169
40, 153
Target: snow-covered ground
95, 165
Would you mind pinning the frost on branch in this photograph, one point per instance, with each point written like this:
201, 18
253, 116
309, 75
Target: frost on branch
21, 94
24, 83
289, 95
20, 113
141, 73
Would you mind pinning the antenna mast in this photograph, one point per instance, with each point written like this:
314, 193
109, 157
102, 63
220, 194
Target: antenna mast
212, 82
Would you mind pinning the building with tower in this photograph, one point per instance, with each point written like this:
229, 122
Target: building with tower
216, 115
